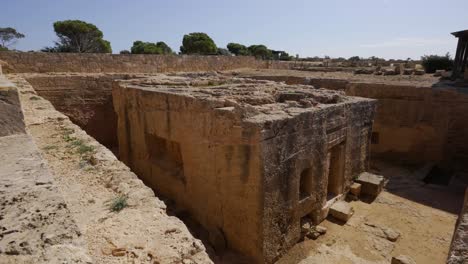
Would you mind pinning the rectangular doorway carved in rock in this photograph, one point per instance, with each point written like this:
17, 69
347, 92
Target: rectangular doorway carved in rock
335, 160
305, 187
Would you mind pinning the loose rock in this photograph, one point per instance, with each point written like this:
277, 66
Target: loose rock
402, 260
321, 229
391, 234
341, 211
119, 252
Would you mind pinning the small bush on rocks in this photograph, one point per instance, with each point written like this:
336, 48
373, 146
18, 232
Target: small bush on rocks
118, 203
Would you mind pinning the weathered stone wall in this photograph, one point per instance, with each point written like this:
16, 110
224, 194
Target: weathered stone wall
303, 152
34, 62
11, 115
412, 124
418, 124
85, 99
459, 247
168, 140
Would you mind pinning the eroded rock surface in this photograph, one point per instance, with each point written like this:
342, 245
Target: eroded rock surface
90, 177
11, 117
35, 224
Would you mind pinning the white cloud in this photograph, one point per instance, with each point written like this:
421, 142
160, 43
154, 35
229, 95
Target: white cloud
408, 42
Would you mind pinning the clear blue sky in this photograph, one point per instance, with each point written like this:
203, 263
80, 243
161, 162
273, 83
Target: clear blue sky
384, 28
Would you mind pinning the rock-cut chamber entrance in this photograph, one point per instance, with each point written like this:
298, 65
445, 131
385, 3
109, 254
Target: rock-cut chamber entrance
335, 161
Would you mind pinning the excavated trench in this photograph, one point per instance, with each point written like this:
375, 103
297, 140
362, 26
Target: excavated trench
87, 100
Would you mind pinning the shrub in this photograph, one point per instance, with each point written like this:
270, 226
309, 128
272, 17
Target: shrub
431, 63
118, 203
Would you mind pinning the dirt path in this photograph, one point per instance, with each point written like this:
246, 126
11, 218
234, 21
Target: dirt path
425, 232
91, 179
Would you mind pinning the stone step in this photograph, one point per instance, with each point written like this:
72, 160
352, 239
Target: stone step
341, 210
371, 184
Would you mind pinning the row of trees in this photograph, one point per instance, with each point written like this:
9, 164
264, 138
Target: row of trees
259, 51
201, 43
82, 37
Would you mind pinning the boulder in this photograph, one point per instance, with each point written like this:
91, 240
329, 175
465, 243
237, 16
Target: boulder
371, 184
342, 211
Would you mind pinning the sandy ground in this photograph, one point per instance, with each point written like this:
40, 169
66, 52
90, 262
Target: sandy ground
90, 179
425, 231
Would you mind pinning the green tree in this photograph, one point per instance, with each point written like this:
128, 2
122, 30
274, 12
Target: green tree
198, 43
8, 37
140, 47
238, 49
260, 51
125, 52
431, 63
165, 48
79, 36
